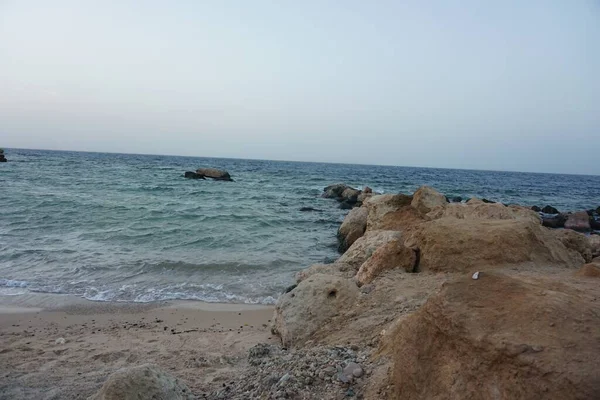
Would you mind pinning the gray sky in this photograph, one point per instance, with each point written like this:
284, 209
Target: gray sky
508, 85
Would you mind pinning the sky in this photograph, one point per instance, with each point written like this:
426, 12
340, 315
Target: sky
500, 85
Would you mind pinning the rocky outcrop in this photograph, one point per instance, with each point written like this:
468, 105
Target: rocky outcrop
549, 210
340, 269
365, 246
594, 241
499, 338
579, 221
379, 206
427, 198
352, 228
143, 382
310, 305
348, 197
484, 211
454, 245
215, 174
576, 242
554, 221
192, 175
391, 255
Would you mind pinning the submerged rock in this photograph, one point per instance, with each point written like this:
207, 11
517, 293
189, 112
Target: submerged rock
143, 382
213, 173
192, 175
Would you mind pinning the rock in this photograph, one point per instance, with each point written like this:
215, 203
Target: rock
549, 210
591, 270
334, 191
367, 190
392, 254
142, 382
488, 201
347, 205
300, 313
2, 158
460, 245
350, 195
363, 197
457, 199
352, 228
483, 211
555, 221
366, 245
594, 241
353, 370
310, 209
499, 338
426, 198
60, 341
216, 174
578, 221
594, 224
474, 200
577, 242
192, 175
379, 206
339, 269
536, 209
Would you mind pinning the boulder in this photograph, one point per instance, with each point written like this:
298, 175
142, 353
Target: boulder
451, 244
213, 173
555, 221
379, 206
536, 209
311, 305
595, 224
483, 211
457, 199
549, 210
350, 195
339, 269
577, 242
591, 270
578, 221
391, 255
334, 191
594, 241
142, 382
365, 246
363, 197
499, 338
426, 198
192, 175
352, 228
474, 200
367, 189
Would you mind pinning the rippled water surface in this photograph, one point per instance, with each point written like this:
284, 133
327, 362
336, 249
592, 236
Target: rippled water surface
130, 227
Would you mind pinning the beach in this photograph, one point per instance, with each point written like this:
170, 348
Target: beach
204, 343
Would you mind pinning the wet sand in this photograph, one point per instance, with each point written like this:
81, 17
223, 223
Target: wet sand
64, 347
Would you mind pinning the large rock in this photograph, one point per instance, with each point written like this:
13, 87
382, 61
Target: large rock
339, 269
391, 255
591, 270
143, 382
499, 338
484, 211
451, 244
579, 221
352, 228
365, 246
335, 191
554, 221
193, 175
549, 210
594, 241
577, 242
379, 206
311, 305
427, 198
216, 174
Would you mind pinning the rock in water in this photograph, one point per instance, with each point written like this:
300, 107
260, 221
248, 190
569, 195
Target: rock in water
549, 210
192, 175
213, 173
555, 221
579, 221
536, 208
142, 382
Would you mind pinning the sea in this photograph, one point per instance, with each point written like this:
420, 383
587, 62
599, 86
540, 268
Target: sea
125, 227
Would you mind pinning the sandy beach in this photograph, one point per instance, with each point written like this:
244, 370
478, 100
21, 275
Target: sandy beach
64, 347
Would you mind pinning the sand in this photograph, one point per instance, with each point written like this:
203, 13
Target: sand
203, 344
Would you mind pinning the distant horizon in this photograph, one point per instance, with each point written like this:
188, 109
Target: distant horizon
297, 161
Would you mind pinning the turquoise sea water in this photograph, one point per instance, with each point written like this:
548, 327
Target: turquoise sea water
118, 227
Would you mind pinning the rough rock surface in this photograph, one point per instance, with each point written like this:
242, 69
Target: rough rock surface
579, 221
555, 221
143, 382
216, 174
352, 228
339, 269
379, 206
483, 211
450, 244
594, 241
366, 245
591, 270
192, 175
577, 242
391, 255
427, 198
500, 338
549, 210
302, 311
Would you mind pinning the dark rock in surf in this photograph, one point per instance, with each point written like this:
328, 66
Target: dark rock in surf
192, 175
488, 201
594, 224
2, 158
346, 205
555, 221
549, 210
457, 199
334, 191
536, 208
309, 209
213, 173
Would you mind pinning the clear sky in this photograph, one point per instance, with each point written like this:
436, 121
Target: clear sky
505, 85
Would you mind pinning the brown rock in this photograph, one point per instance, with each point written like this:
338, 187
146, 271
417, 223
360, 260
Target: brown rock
594, 241
366, 245
484, 211
591, 270
311, 305
352, 228
427, 198
216, 174
577, 242
499, 338
379, 206
339, 269
391, 255
367, 190
579, 221
142, 382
